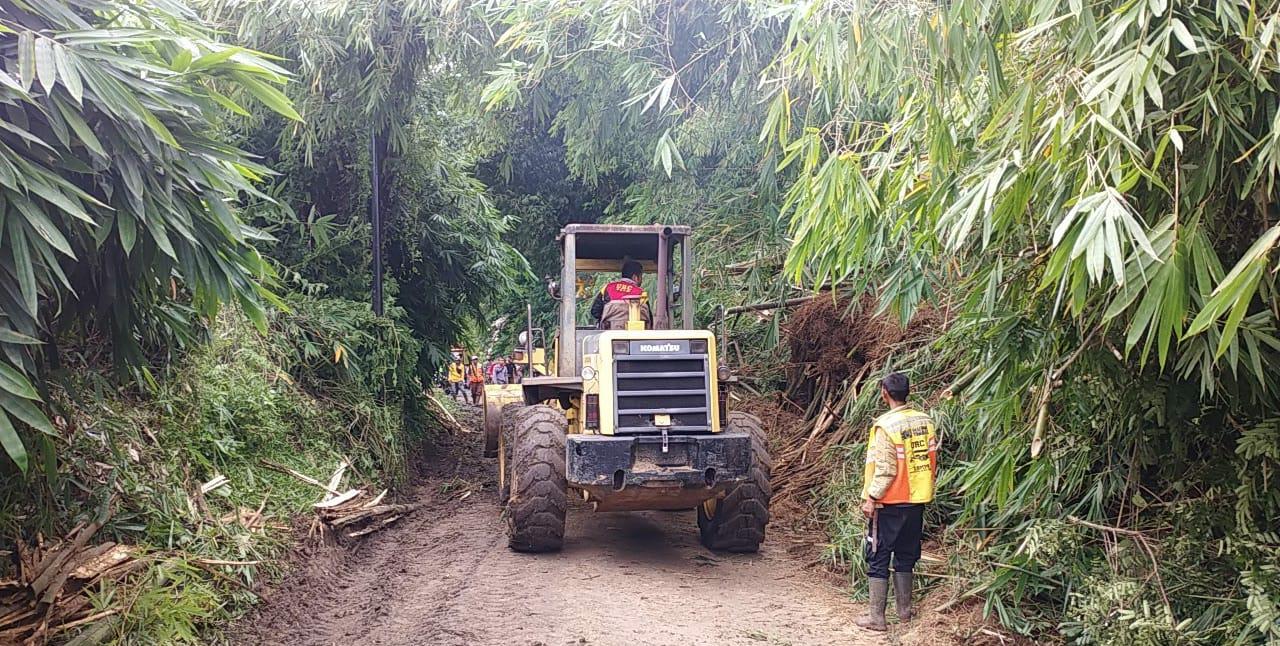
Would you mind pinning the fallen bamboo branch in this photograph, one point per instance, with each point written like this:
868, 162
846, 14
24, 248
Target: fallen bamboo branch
448, 418
301, 476
335, 481
339, 500
773, 305
375, 527
366, 514
376, 500
218, 481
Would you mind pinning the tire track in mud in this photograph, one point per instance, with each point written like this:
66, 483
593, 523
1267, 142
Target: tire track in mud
443, 576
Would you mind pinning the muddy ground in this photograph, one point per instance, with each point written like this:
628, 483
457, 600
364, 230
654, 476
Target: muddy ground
443, 575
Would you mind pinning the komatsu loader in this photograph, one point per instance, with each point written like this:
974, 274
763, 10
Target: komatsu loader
633, 418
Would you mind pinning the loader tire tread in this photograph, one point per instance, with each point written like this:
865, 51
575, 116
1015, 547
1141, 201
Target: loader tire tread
538, 497
742, 515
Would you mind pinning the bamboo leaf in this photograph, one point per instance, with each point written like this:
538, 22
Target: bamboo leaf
68, 73
26, 59
12, 444
16, 382
10, 336
269, 96
26, 412
46, 66
23, 267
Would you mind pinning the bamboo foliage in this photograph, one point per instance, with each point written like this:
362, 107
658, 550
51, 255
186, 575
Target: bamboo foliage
114, 189
1121, 151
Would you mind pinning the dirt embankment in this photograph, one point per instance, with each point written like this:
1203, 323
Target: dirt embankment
444, 575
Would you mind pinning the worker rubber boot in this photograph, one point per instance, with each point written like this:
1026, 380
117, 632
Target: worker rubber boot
875, 605
902, 595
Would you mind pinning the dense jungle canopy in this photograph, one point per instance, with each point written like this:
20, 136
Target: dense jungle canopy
1083, 193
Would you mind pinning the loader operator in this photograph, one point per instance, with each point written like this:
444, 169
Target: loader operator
902, 463
609, 308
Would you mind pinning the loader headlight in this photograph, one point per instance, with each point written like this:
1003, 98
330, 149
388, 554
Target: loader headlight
698, 346
723, 373
588, 373
621, 347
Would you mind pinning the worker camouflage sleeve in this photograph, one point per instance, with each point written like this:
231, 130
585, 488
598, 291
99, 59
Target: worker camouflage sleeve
885, 458
597, 306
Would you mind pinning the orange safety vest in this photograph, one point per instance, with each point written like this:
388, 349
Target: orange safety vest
477, 373
915, 441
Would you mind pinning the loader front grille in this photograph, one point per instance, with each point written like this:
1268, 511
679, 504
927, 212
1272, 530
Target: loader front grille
662, 377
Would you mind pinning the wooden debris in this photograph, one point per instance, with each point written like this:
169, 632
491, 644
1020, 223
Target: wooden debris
336, 501
376, 500
336, 480
360, 515
48, 594
352, 509
218, 481
374, 526
445, 416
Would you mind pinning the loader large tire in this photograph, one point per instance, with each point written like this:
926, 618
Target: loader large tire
492, 423
511, 414
736, 523
538, 499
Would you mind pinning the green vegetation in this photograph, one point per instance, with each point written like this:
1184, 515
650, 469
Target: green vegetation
1087, 190
241, 400
184, 292
362, 70
113, 189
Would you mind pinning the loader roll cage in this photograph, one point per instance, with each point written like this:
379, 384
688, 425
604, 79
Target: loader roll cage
603, 248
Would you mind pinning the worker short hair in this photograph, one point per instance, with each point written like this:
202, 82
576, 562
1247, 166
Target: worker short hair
632, 268
897, 385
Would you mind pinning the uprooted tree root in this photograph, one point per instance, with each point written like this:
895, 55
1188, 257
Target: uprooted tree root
836, 347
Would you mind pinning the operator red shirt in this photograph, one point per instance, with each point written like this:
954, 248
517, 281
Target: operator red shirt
615, 290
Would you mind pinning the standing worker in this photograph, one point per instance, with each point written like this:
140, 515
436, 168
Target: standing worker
476, 379
902, 464
457, 370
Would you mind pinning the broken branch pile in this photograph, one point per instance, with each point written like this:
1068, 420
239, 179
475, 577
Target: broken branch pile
353, 512
48, 595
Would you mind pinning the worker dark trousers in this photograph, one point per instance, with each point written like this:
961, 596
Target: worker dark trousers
899, 529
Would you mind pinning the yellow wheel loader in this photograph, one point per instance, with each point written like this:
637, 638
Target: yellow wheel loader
632, 418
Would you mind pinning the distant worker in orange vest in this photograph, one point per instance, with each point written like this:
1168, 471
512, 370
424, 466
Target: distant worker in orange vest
619, 290
902, 464
475, 378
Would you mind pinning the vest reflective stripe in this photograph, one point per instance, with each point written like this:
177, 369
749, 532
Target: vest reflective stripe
915, 445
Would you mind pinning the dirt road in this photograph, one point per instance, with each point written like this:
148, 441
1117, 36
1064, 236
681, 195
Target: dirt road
444, 576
